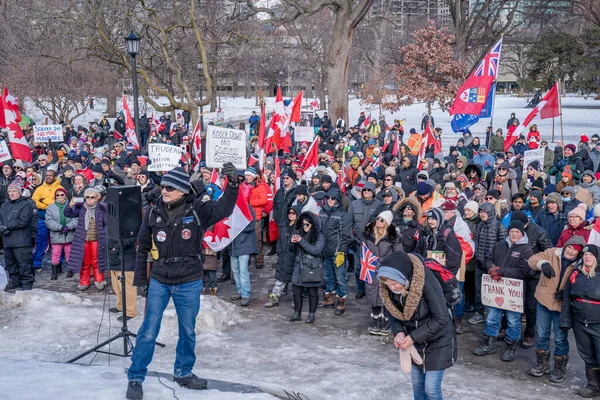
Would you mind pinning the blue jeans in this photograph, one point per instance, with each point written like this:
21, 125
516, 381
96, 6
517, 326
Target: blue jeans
545, 320
494, 317
360, 284
239, 266
426, 385
186, 298
335, 277
41, 243
459, 308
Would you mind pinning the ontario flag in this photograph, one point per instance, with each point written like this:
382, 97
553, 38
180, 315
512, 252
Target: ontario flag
130, 126
548, 107
366, 122
197, 146
474, 92
226, 230
9, 119
278, 134
368, 264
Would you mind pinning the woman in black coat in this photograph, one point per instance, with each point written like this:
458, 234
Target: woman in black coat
308, 243
581, 311
419, 316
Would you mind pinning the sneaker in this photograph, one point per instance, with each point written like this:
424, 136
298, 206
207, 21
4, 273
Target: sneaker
134, 391
476, 319
236, 297
245, 302
192, 382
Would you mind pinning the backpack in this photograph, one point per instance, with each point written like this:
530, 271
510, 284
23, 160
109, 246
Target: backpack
447, 280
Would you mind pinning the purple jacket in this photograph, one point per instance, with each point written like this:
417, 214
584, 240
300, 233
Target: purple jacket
76, 258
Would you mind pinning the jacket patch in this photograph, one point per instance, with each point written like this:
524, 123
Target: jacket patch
516, 254
161, 236
186, 234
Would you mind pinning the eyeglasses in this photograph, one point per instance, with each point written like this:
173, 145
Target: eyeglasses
168, 189
286, 177
388, 179
490, 198
306, 225
477, 188
90, 197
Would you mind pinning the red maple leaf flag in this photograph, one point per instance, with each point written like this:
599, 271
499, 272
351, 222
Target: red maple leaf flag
428, 140
11, 116
366, 122
278, 135
130, 126
226, 230
311, 160
294, 108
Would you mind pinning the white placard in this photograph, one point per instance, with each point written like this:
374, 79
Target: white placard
506, 293
48, 133
305, 131
532, 155
163, 157
4, 152
225, 145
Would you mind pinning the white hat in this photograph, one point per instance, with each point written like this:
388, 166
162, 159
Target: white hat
473, 206
387, 216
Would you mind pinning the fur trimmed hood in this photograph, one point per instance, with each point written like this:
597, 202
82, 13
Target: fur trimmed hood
415, 273
401, 205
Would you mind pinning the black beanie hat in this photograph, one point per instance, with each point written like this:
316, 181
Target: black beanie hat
519, 216
97, 168
516, 225
538, 183
592, 248
302, 189
326, 178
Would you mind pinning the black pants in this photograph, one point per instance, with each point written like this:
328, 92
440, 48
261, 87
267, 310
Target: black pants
479, 308
469, 288
19, 266
226, 258
313, 298
530, 306
587, 339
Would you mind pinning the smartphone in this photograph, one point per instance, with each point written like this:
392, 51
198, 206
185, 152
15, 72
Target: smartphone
78, 199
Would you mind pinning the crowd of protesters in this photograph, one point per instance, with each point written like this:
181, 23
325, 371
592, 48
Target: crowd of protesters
372, 197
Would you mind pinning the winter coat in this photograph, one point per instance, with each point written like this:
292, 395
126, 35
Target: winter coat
408, 177
286, 253
526, 178
544, 292
245, 243
428, 322
363, 212
595, 157
551, 223
511, 258
538, 238
488, 234
443, 239
54, 226
308, 250
44, 196
408, 232
437, 174
593, 193
260, 194
387, 245
282, 202
114, 254
497, 144
76, 258
16, 216
548, 160
508, 186
574, 162
336, 226
580, 287
150, 193
582, 230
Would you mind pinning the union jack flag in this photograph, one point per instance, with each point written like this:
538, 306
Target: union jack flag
489, 65
368, 263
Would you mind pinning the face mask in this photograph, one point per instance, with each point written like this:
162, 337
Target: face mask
566, 199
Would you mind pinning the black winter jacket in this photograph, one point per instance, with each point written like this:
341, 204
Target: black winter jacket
580, 287
443, 239
282, 202
336, 227
487, 235
512, 260
16, 218
408, 177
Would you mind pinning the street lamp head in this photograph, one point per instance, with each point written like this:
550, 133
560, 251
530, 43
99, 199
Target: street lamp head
280, 73
199, 66
132, 43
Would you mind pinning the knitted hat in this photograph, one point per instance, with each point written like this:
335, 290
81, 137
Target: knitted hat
251, 171
494, 193
584, 139
97, 168
535, 164
571, 147
423, 189
516, 225
290, 174
178, 179
579, 211
448, 206
396, 266
387, 216
19, 164
129, 147
577, 242
473, 206
567, 172
60, 190
592, 248
326, 178
355, 162
538, 183
519, 216
436, 213
302, 189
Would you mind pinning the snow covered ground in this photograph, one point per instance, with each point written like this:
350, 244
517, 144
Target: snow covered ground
243, 346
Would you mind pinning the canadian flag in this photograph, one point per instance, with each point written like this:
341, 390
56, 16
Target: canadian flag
293, 109
130, 126
226, 230
428, 140
314, 105
594, 237
278, 135
10, 117
465, 238
214, 178
366, 122
197, 146
548, 107
311, 160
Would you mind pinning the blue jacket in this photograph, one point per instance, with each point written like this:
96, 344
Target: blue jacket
485, 161
506, 219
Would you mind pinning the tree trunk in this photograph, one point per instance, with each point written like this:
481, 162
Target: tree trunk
338, 58
246, 94
111, 104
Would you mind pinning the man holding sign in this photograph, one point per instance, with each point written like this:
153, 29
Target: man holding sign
508, 259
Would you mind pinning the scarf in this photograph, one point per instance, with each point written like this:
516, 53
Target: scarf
90, 212
61, 212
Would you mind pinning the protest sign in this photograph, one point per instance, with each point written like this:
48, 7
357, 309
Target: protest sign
4, 152
163, 157
533, 155
505, 293
225, 145
305, 131
48, 133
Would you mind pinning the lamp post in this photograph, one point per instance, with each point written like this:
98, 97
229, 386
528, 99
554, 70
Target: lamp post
280, 79
199, 69
132, 44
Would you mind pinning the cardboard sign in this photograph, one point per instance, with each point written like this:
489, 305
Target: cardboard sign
305, 131
506, 293
438, 256
48, 133
225, 145
163, 157
4, 152
533, 155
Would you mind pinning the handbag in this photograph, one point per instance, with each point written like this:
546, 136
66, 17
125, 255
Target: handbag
311, 275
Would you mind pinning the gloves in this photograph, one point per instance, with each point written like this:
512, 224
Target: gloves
494, 273
64, 230
547, 270
229, 171
339, 259
143, 291
564, 328
558, 295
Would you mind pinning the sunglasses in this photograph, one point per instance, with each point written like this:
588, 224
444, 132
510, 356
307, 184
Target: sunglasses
530, 168
565, 193
19, 168
306, 225
388, 180
489, 198
501, 169
286, 177
168, 188
90, 197
381, 220
477, 188
291, 213
60, 195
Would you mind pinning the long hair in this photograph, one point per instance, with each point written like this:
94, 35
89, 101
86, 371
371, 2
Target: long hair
380, 233
592, 272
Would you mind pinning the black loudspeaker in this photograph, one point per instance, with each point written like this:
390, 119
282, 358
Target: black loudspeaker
124, 211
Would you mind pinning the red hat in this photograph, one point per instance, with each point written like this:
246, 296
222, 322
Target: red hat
571, 147
585, 139
448, 206
60, 190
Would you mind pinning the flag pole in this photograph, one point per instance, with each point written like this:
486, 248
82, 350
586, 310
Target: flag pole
562, 138
496, 86
552, 130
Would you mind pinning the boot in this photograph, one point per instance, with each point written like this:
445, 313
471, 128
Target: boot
134, 391
192, 382
285, 288
340, 308
59, 269
560, 369
508, 354
11, 286
296, 317
376, 327
328, 300
385, 326
273, 301
69, 274
100, 285
487, 346
458, 326
54, 275
213, 291
592, 389
311, 318
542, 363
